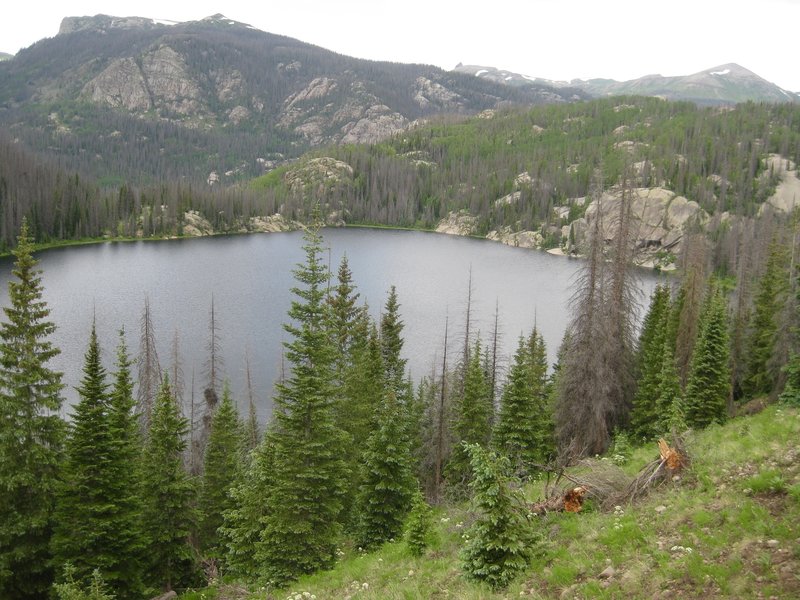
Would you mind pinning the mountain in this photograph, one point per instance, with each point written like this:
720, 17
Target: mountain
725, 84
243, 92
5, 56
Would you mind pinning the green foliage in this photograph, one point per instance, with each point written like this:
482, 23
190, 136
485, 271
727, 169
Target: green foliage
419, 525
168, 495
243, 521
388, 483
472, 421
709, 381
96, 588
498, 545
524, 429
645, 415
223, 462
97, 527
301, 528
391, 331
770, 481
761, 375
32, 434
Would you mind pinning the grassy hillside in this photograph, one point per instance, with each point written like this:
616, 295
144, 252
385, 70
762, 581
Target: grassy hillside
729, 528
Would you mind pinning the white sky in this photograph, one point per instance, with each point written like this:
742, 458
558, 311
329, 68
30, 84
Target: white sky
554, 39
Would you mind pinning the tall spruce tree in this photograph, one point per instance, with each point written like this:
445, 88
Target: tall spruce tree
392, 344
95, 531
243, 521
761, 371
301, 528
223, 461
523, 432
709, 382
168, 495
31, 435
645, 414
471, 421
388, 484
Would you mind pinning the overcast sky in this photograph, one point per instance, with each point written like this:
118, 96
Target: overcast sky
555, 39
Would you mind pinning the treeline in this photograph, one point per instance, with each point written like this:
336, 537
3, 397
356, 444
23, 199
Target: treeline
138, 493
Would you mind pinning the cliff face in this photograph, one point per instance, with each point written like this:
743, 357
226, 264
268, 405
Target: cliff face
218, 72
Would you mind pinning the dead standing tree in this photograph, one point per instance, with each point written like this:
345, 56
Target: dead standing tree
149, 370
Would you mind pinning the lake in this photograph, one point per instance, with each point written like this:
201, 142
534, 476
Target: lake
250, 277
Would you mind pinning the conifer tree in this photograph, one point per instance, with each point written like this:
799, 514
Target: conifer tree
645, 414
498, 548
419, 525
524, 429
709, 382
125, 465
669, 396
301, 528
471, 422
223, 461
31, 435
167, 494
392, 343
243, 521
96, 530
761, 373
388, 483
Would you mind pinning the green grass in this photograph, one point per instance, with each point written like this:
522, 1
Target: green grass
730, 528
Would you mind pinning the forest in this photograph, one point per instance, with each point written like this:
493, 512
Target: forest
135, 494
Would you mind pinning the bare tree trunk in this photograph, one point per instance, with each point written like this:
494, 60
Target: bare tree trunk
149, 369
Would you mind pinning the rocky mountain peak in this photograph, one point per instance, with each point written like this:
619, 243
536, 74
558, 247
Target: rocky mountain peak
103, 23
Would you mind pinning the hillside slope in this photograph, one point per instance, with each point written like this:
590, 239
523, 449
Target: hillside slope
728, 528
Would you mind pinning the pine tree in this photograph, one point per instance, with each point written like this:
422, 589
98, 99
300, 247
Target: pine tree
388, 483
223, 462
301, 528
244, 520
709, 382
32, 432
95, 531
125, 465
419, 525
167, 494
471, 423
392, 343
669, 396
761, 373
524, 429
498, 548
645, 414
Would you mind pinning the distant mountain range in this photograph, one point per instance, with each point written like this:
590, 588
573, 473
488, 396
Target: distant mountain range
725, 84
118, 97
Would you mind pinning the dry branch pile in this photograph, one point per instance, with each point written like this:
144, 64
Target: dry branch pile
607, 484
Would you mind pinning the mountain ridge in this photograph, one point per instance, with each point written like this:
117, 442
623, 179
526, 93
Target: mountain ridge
729, 83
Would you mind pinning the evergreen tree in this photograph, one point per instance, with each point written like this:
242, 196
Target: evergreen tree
392, 344
524, 430
761, 373
96, 589
301, 528
709, 382
669, 396
498, 548
387, 483
95, 528
223, 462
125, 466
419, 525
645, 414
31, 435
244, 520
471, 423
167, 494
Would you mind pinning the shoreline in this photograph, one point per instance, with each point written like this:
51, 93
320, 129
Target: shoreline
55, 245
